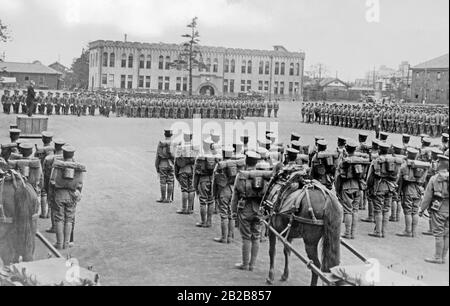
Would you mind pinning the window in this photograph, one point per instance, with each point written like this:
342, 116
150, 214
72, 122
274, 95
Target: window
260, 85
291, 88
161, 63
266, 86
167, 83
298, 69
249, 85
267, 68
41, 80
216, 65
291, 69
104, 79
111, 80
244, 67
96, 59
123, 81
208, 65
149, 62
233, 67
281, 88
141, 81
105, 59
27, 78
124, 61
249, 67
160, 83
112, 60
231, 86
297, 87
242, 85
130, 61
261, 67
277, 68
275, 89
225, 86
178, 87
439, 76
418, 75
147, 82
130, 82
141, 61
227, 65
167, 62
185, 84
283, 68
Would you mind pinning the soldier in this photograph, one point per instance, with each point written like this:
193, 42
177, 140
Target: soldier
341, 142
6, 102
15, 99
323, 165
410, 185
248, 192
405, 142
23, 102
57, 103
349, 186
164, 165
381, 180
276, 108
49, 104
436, 201
397, 152
444, 146
270, 107
184, 173
203, 172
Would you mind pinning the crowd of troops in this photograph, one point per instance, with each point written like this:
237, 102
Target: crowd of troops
410, 119
50, 168
139, 105
381, 177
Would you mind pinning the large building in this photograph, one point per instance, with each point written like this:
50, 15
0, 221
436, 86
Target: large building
275, 73
44, 77
430, 82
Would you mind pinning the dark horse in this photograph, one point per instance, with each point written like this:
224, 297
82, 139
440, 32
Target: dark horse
309, 211
18, 218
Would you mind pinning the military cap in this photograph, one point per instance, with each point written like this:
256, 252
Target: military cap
423, 136
47, 134
363, 137
322, 142
68, 149
292, 151
59, 142
384, 136
8, 146
436, 151
296, 145
351, 143
295, 137
445, 135
412, 151
168, 133
384, 145
26, 146
317, 138
263, 152
341, 139
443, 158
406, 138
426, 141
14, 132
12, 126
253, 155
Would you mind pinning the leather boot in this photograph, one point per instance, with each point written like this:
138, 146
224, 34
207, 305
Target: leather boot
209, 214
445, 250
370, 218
246, 245
163, 194
348, 226
52, 229
378, 225
202, 216
408, 227
414, 225
224, 229
393, 217
254, 254
67, 233
44, 207
59, 228
169, 198
354, 223
191, 200
399, 212
439, 249
184, 204
231, 224
384, 224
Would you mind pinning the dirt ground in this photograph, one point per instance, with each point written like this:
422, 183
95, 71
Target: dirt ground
129, 239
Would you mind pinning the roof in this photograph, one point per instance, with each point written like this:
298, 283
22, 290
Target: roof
32, 68
436, 63
327, 81
59, 67
278, 51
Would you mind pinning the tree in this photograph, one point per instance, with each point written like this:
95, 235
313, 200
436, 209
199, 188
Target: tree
318, 71
190, 56
4, 32
79, 74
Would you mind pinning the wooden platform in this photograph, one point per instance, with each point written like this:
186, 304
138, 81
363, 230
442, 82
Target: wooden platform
32, 127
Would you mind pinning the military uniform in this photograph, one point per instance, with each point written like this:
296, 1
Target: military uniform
164, 165
184, 173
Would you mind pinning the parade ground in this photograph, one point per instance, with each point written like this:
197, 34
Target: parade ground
130, 239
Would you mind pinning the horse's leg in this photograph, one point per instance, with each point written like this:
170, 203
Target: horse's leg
311, 238
287, 253
272, 251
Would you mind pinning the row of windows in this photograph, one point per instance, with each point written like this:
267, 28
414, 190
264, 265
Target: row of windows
439, 75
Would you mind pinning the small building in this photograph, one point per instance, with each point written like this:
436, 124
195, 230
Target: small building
430, 81
62, 81
43, 76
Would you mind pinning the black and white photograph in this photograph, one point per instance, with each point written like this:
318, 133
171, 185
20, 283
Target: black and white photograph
225, 149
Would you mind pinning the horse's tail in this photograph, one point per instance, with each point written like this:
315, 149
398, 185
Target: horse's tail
331, 241
25, 206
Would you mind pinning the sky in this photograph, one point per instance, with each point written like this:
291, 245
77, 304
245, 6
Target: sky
349, 37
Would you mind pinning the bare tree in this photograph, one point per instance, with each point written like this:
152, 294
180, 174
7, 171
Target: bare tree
4, 32
318, 71
190, 57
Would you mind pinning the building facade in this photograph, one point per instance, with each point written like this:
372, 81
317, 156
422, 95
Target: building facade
147, 67
64, 71
43, 76
430, 81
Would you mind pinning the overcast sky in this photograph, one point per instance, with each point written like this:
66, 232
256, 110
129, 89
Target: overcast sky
336, 33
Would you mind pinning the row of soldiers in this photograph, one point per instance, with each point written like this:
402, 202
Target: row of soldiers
411, 119
382, 176
51, 169
139, 105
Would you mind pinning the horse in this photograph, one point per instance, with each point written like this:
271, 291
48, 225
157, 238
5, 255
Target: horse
19, 206
306, 209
